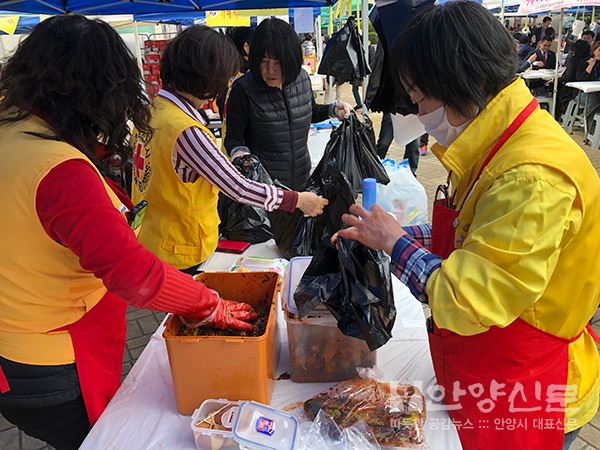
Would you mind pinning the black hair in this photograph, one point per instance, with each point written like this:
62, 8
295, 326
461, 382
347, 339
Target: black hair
462, 70
581, 49
517, 35
546, 38
241, 36
308, 37
199, 61
589, 33
525, 39
547, 19
276, 39
79, 76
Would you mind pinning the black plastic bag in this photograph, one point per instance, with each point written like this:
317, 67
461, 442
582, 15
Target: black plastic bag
344, 56
352, 147
240, 222
354, 283
305, 236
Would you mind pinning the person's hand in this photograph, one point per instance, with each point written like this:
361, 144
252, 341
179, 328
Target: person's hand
223, 314
311, 204
342, 110
375, 229
539, 64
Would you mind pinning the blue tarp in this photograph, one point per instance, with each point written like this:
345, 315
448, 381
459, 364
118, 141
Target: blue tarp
99, 7
186, 19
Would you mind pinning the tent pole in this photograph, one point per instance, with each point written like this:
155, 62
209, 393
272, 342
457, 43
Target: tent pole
558, 57
365, 36
138, 46
319, 39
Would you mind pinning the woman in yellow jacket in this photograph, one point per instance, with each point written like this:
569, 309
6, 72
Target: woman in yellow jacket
510, 266
69, 261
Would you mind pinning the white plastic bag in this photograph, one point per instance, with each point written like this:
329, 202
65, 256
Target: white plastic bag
325, 434
403, 196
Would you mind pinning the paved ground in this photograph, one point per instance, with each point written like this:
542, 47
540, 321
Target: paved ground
142, 323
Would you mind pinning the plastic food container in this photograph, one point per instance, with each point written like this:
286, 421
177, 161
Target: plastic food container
222, 412
319, 351
233, 367
259, 427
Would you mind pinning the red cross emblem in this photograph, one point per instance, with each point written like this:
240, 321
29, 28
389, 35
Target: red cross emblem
138, 161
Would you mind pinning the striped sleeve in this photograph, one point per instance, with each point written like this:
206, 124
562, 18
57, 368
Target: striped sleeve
420, 233
199, 152
413, 264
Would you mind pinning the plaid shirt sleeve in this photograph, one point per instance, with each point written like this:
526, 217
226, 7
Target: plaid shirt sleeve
413, 264
420, 233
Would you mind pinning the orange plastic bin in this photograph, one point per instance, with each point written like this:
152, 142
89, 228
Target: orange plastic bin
231, 367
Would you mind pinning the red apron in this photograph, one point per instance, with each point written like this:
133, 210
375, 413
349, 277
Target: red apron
504, 388
99, 342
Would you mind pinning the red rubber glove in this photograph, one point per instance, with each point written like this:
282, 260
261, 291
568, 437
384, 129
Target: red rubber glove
222, 314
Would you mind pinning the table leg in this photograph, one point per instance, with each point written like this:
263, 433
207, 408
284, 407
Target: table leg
585, 126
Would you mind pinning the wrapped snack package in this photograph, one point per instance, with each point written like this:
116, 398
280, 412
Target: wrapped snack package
324, 434
394, 412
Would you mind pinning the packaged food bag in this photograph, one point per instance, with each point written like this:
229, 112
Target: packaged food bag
393, 412
403, 196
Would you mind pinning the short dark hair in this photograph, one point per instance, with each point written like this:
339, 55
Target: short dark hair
589, 33
79, 75
581, 49
525, 39
547, 19
462, 70
546, 38
241, 36
199, 61
276, 39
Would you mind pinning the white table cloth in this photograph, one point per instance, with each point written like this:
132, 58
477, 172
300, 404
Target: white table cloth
541, 74
142, 415
587, 87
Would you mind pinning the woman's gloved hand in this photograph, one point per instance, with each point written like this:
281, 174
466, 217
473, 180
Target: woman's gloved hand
222, 314
311, 204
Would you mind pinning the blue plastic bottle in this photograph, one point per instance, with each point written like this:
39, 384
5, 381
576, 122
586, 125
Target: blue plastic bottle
369, 193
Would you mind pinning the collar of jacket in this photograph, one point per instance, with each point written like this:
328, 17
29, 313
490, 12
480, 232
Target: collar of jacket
464, 156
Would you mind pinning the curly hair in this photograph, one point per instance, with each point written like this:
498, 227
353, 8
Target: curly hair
79, 76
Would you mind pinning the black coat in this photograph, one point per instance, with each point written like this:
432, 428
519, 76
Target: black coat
273, 124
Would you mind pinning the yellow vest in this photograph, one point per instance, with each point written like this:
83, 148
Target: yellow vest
572, 294
181, 225
42, 285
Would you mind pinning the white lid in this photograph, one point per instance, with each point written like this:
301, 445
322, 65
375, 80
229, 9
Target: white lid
259, 427
293, 274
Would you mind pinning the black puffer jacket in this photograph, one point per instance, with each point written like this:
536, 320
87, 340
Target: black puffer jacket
273, 124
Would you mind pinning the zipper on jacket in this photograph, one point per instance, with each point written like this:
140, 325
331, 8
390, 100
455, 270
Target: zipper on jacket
289, 114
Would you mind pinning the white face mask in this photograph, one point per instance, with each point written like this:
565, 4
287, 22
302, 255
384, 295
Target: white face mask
436, 124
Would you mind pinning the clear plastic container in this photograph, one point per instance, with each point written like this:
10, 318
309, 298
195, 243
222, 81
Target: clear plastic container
319, 351
224, 412
259, 427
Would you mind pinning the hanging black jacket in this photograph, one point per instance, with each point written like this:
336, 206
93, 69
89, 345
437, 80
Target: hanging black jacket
273, 124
